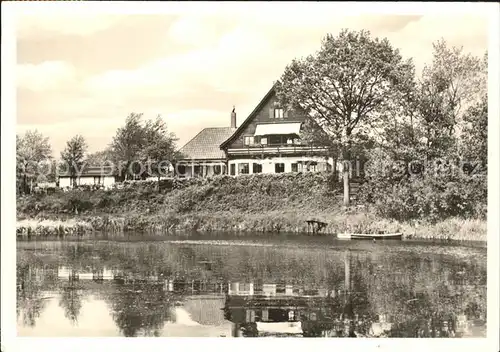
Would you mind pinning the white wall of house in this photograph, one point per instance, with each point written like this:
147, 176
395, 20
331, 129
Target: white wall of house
108, 181
243, 289
85, 181
269, 164
64, 182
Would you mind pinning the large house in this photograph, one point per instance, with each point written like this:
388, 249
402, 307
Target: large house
267, 141
89, 176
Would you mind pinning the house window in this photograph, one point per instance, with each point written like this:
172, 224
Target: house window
281, 288
97, 180
265, 315
181, 169
308, 166
257, 168
244, 287
258, 315
278, 113
312, 167
295, 167
263, 141
275, 140
249, 140
279, 168
243, 168
197, 170
217, 169
232, 169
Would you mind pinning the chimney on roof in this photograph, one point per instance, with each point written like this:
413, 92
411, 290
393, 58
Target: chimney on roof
233, 118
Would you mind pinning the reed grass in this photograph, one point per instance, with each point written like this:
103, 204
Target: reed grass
261, 223
52, 228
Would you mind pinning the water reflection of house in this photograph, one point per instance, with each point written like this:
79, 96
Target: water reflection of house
276, 309
195, 286
68, 273
249, 289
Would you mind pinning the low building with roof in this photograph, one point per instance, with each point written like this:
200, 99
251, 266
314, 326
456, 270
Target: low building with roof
202, 155
101, 176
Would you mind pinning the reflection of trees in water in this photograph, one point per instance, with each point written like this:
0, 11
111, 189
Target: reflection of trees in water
79, 255
71, 301
140, 309
30, 305
423, 297
411, 288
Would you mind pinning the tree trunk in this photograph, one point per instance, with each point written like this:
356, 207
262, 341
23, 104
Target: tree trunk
345, 172
25, 184
334, 169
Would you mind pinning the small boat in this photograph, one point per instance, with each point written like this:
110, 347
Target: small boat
370, 236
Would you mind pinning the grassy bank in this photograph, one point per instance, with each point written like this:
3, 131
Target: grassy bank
257, 203
50, 228
449, 229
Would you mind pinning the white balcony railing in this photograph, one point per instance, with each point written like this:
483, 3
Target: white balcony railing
277, 149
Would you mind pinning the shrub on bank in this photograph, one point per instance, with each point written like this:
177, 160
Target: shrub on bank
257, 192
271, 203
428, 196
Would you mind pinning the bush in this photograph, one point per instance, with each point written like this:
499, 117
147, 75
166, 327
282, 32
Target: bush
432, 196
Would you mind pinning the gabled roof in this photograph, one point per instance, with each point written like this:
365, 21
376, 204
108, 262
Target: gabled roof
206, 144
249, 118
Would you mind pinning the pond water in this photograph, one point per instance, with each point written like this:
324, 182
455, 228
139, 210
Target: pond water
250, 286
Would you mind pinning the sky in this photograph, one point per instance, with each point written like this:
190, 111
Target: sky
84, 73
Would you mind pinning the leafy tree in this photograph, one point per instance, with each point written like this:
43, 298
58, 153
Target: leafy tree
457, 78
73, 156
444, 118
452, 83
128, 144
19, 164
98, 158
160, 146
346, 86
315, 135
48, 172
139, 143
32, 150
475, 133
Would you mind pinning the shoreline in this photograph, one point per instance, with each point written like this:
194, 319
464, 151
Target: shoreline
453, 229
258, 204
